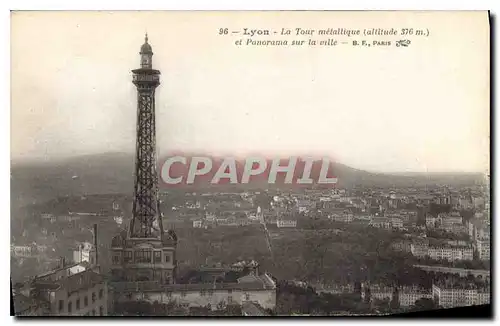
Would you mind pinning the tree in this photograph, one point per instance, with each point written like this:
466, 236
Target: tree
232, 310
368, 295
394, 305
145, 308
424, 304
221, 305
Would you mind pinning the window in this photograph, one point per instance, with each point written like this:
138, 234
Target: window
93, 312
93, 297
77, 303
86, 301
167, 258
144, 276
210, 293
183, 294
127, 256
247, 296
230, 291
70, 306
61, 305
143, 256
116, 259
157, 257
202, 293
101, 311
101, 293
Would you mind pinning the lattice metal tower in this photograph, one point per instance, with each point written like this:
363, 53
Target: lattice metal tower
146, 220
146, 252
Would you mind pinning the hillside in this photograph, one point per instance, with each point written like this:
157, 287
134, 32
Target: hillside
92, 174
110, 173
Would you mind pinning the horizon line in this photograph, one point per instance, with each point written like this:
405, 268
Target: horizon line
59, 159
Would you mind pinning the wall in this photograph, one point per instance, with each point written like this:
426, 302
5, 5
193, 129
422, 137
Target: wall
266, 298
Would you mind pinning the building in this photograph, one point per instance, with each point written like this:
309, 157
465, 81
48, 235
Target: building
335, 288
198, 224
453, 217
344, 216
24, 251
381, 292
478, 202
463, 272
443, 199
408, 295
260, 289
143, 258
286, 223
451, 253
84, 253
48, 218
395, 201
396, 223
430, 221
457, 243
478, 229
408, 216
483, 296
402, 245
118, 220
419, 249
460, 295
482, 232
483, 248
74, 290
72, 217
452, 227
380, 222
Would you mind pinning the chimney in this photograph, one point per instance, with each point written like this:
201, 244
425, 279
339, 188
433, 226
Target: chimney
95, 244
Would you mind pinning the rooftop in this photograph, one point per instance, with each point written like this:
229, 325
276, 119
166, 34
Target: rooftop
66, 268
84, 280
73, 283
244, 284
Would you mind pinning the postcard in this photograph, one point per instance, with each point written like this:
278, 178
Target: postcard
250, 163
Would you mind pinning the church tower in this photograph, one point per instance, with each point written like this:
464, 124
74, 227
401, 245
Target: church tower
146, 252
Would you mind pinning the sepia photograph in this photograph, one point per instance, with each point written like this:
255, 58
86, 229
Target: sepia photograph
250, 163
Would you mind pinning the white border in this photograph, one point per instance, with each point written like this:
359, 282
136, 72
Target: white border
492, 5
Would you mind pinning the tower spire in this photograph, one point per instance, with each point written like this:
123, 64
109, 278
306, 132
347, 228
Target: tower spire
146, 54
146, 210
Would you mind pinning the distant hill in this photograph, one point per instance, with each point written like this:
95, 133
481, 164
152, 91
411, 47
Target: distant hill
92, 174
110, 173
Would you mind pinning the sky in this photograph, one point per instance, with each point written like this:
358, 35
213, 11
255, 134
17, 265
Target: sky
421, 108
